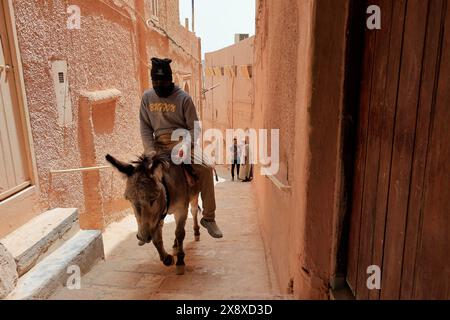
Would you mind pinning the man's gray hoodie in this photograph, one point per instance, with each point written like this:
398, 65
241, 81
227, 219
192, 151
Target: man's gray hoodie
164, 115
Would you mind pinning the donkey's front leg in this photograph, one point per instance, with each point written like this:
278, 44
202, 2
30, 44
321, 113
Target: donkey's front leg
166, 258
194, 210
180, 219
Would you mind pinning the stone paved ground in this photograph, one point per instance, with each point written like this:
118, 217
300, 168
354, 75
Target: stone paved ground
234, 267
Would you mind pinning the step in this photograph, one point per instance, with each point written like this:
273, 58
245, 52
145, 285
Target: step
83, 250
42, 234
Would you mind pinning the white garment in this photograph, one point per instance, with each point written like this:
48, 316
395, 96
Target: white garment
244, 172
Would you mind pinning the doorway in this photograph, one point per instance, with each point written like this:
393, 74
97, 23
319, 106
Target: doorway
15, 173
399, 204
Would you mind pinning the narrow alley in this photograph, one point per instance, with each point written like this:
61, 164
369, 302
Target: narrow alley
215, 269
336, 111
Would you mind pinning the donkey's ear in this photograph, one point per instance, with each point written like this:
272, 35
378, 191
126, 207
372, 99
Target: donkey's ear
157, 171
158, 167
123, 167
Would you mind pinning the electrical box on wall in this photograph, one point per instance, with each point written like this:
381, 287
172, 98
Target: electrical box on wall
61, 87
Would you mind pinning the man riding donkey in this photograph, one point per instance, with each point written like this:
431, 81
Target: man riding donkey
164, 109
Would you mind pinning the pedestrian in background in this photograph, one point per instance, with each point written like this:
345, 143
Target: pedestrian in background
236, 151
246, 166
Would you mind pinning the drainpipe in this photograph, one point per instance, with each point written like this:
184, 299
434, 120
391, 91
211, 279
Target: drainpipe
232, 97
193, 16
200, 77
141, 43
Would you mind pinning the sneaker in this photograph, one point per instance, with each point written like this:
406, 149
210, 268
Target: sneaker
212, 228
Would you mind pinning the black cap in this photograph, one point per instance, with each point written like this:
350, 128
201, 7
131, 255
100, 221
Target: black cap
161, 69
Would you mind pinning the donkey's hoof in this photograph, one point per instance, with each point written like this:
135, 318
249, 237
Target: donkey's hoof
169, 260
197, 238
179, 270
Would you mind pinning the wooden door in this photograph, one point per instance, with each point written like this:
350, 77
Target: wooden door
14, 170
400, 218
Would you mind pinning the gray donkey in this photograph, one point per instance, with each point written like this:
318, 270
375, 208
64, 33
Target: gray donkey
156, 187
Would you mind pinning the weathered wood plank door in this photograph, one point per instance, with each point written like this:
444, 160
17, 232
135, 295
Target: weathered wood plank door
400, 219
14, 169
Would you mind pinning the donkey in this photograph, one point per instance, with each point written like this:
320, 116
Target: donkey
157, 187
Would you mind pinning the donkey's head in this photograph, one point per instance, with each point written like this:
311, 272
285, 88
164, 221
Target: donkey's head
145, 191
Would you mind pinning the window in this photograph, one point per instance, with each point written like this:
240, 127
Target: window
155, 8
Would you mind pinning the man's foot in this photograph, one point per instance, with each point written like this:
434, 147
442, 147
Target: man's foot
232, 178
212, 228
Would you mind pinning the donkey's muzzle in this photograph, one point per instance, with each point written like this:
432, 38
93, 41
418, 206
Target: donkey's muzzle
144, 241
